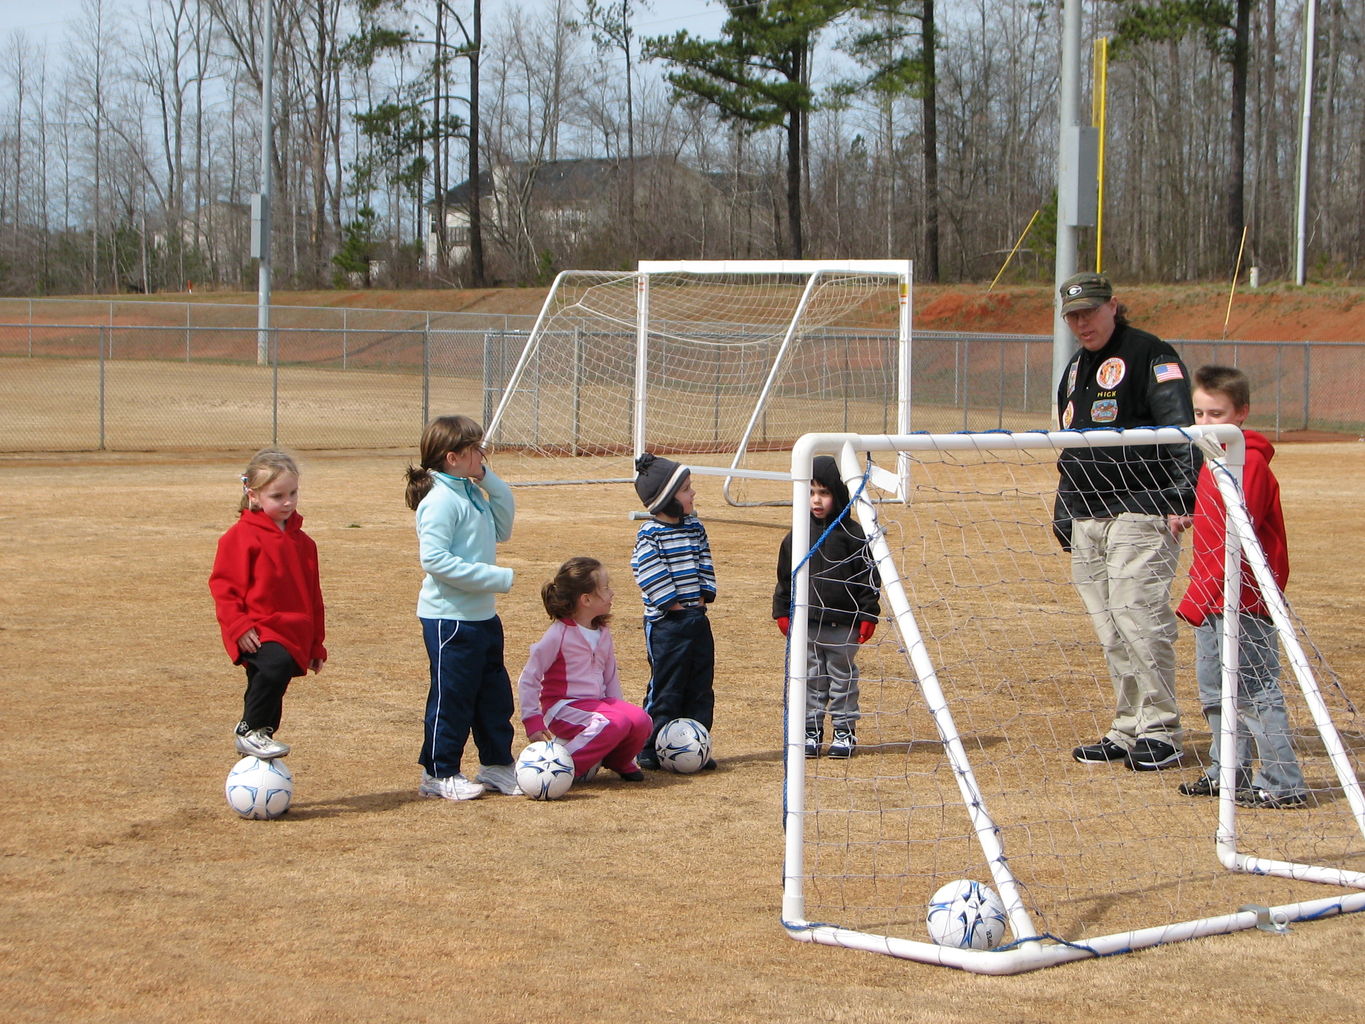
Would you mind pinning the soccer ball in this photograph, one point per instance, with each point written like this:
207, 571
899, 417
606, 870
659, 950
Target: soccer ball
966, 914
683, 746
545, 770
258, 788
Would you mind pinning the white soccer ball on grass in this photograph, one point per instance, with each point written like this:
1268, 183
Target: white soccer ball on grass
966, 914
683, 746
545, 770
260, 788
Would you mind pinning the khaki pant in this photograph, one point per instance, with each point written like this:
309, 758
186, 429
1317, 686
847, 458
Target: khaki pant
1123, 568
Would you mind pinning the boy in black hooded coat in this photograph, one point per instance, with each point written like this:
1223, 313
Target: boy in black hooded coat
843, 613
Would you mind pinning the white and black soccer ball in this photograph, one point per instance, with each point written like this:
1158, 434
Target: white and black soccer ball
545, 770
966, 914
260, 788
683, 746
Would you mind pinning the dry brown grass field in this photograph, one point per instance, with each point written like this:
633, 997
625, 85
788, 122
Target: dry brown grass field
131, 892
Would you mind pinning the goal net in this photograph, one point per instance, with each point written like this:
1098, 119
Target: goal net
982, 677
718, 361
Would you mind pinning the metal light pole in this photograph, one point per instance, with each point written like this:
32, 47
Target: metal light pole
1305, 142
260, 214
1068, 160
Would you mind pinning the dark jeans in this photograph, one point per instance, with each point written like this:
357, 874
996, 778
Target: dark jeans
682, 662
268, 671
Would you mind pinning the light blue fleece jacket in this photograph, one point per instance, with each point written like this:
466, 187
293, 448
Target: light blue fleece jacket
459, 524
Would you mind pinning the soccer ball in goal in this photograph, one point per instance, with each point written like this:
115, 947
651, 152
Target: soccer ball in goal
718, 361
973, 695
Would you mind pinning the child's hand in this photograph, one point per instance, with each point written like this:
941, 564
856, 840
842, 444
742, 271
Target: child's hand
865, 630
250, 641
784, 623
316, 665
538, 737
1179, 524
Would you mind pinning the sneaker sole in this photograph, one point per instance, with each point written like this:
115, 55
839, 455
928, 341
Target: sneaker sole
247, 751
1152, 766
442, 796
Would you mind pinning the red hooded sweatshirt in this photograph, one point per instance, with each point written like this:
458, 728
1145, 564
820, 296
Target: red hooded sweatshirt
267, 577
1205, 594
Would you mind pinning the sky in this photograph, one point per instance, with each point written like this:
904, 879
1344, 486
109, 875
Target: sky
47, 20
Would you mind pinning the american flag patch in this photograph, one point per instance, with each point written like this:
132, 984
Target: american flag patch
1168, 371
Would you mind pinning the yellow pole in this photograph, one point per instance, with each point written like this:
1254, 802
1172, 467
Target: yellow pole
1099, 114
1016, 248
1236, 273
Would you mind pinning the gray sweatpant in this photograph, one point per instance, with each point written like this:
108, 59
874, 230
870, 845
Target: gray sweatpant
832, 677
1261, 717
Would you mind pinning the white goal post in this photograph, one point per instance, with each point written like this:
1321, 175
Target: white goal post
983, 675
717, 361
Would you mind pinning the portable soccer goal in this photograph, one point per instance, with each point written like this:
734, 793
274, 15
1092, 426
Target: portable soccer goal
725, 363
984, 675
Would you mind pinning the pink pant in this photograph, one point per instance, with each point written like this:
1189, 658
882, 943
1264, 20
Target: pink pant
608, 731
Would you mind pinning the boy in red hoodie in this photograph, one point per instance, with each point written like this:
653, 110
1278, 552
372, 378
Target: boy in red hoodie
1223, 395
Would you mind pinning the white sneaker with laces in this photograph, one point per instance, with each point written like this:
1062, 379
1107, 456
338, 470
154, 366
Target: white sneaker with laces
452, 787
260, 743
501, 777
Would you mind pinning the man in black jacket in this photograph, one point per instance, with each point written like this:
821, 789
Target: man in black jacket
1121, 511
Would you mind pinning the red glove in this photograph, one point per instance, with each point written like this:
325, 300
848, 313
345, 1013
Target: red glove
784, 623
865, 630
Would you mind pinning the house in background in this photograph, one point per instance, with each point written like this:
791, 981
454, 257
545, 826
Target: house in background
575, 213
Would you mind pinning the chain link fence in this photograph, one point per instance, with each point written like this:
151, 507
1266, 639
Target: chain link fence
79, 375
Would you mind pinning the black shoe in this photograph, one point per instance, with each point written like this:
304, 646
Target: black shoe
1202, 786
709, 766
1150, 755
635, 776
1104, 751
1261, 798
648, 760
813, 743
843, 743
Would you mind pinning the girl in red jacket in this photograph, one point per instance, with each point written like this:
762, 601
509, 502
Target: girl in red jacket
268, 598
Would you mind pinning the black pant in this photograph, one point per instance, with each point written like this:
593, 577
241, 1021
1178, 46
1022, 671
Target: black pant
268, 671
682, 661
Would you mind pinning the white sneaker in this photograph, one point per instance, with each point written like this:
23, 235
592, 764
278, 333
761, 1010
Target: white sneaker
259, 743
500, 777
452, 787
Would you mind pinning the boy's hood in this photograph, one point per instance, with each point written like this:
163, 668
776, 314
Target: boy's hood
825, 471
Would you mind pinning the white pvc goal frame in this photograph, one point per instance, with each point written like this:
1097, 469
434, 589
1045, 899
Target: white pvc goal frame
1030, 947
777, 328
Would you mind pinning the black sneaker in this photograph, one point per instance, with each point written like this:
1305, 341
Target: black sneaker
1202, 786
1150, 755
635, 776
1099, 753
1262, 798
813, 744
648, 760
843, 743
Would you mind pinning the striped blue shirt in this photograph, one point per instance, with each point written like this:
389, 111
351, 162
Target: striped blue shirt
672, 563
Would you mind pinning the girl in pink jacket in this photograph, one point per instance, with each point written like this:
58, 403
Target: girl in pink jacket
570, 689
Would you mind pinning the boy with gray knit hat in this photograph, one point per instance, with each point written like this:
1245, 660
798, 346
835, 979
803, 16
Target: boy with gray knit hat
677, 579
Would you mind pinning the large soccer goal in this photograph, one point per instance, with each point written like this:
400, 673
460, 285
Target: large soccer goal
983, 676
718, 361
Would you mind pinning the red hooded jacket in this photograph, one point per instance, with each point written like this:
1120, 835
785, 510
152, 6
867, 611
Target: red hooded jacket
1205, 594
268, 578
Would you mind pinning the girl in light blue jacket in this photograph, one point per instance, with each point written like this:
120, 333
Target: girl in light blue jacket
463, 510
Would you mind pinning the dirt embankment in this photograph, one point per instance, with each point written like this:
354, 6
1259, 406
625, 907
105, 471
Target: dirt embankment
1198, 311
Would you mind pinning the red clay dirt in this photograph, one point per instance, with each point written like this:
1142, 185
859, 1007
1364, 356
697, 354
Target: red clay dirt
1277, 312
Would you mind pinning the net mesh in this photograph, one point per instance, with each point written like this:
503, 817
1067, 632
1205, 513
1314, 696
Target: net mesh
713, 340
1096, 849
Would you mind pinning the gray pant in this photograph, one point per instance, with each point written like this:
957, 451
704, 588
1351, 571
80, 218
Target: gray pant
1122, 569
1261, 716
831, 678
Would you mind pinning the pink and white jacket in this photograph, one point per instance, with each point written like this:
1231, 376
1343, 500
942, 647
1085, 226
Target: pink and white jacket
563, 667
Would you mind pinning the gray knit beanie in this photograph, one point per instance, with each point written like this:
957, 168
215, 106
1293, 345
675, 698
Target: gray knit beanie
657, 480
